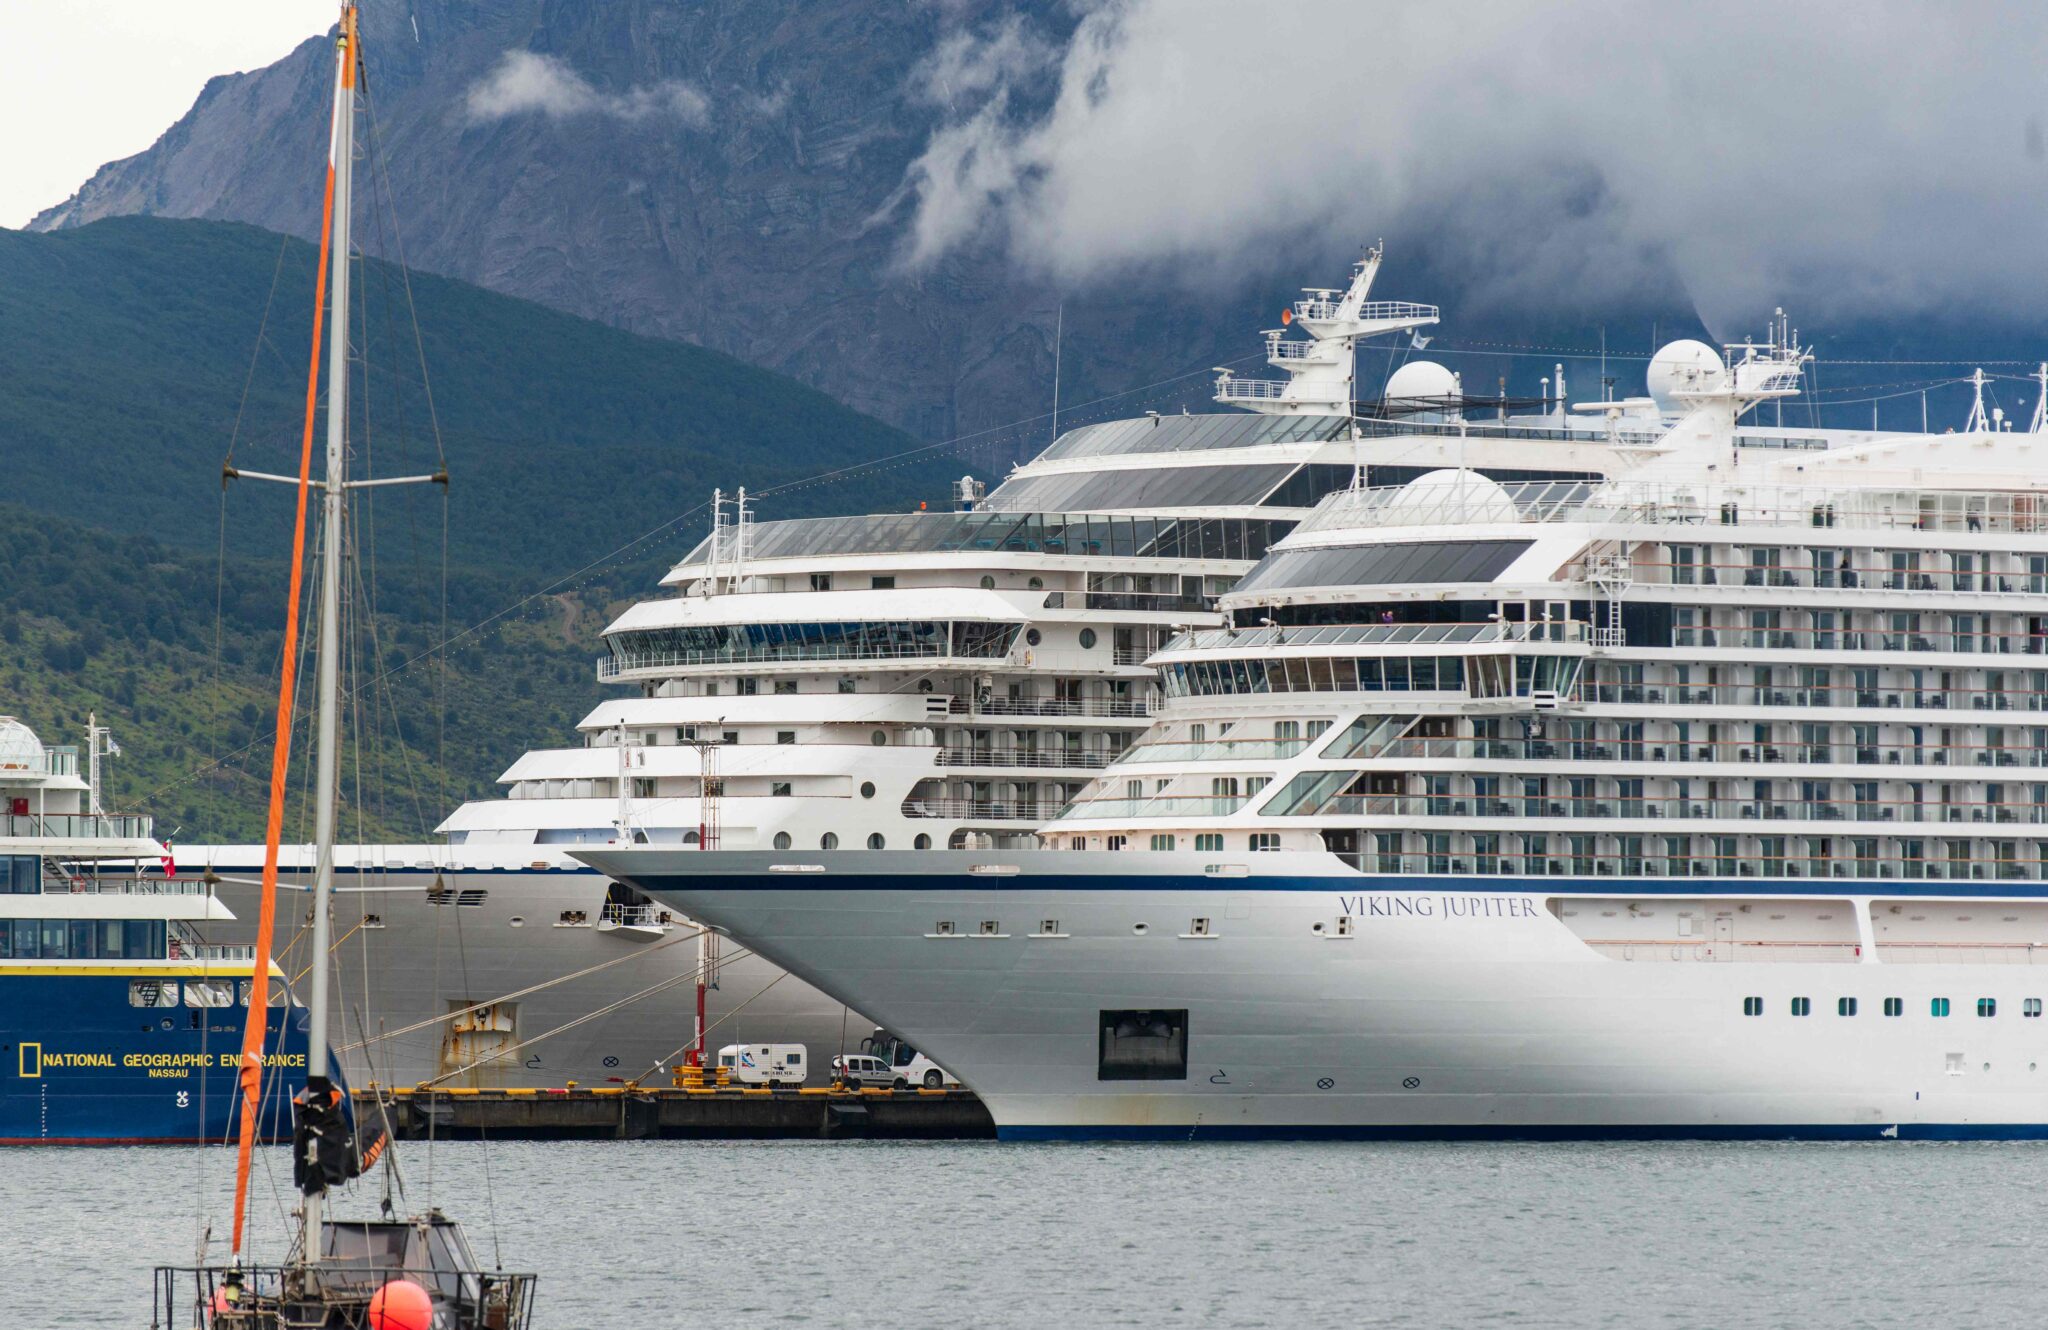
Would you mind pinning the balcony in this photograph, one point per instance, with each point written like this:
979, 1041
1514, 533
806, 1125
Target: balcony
77, 826
1191, 805
1021, 757
1048, 706
982, 810
1250, 390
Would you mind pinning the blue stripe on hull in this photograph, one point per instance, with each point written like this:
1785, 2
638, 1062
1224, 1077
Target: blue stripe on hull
1344, 885
1926, 1131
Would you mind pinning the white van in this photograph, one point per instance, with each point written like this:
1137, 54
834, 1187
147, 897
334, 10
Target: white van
765, 1064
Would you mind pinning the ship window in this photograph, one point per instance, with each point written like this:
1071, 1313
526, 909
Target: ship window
1895, 1006
883, 581
867, 789
1142, 1046
782, 841
1802, 1006
1032, 637
923, 842
1167, 487
785, 736
1116, 842
209, 992
1209, 842
1937, 1007
1163, 841
1752, 1006
1265, 840
1087, 639
1845, 1006
1987, 1006
821, 581
2031, 1007
25, 878
779, 789
785, 688
875, 841
152, 992
829, 841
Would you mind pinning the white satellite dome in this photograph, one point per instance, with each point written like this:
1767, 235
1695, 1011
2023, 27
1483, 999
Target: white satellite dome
1422, 378
1679, 365
1474, 497
20, 750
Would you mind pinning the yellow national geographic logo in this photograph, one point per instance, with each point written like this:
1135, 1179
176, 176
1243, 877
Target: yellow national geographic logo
31, 1061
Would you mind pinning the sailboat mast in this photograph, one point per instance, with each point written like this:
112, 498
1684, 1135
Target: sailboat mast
327, 750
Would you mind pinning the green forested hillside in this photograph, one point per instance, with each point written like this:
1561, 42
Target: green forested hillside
132, 584
127, 628
125, 347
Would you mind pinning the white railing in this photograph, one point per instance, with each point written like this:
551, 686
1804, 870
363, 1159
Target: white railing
635, 916
1372, 311
1250, 390
1019, 757
1402, 634
77, 826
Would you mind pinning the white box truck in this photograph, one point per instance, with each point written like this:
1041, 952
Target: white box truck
765, 1064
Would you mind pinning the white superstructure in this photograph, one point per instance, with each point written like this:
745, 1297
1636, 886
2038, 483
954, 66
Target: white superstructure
1708, 799
911, 681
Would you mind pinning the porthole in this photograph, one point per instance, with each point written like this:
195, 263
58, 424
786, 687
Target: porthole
988, 583
1032, 637
1036, 584
923, 842
1138, 929
867, 789
519, 921
880, 738
829, 841
1087, 639
875, 841
782, 841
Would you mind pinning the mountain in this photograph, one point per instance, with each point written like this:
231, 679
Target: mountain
129, 345
140, 589
731, 175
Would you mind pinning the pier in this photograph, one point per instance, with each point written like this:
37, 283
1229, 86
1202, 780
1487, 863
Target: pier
621, 1112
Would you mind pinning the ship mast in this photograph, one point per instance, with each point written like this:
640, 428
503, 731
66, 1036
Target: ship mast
327, 752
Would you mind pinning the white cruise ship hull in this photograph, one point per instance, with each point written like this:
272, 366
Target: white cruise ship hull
1445, 1007
584, 1000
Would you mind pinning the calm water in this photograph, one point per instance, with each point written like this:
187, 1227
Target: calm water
656, 1234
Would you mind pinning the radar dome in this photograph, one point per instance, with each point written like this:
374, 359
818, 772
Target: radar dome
20, 750
1427, 498
1422, 378
1680, 365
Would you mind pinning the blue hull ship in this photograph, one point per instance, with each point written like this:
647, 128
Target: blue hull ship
130, 1055
120, 1022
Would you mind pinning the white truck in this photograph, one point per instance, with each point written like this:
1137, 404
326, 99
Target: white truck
771, 1065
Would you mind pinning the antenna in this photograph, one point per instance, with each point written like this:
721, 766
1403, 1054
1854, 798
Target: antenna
1059, 328
1979, 423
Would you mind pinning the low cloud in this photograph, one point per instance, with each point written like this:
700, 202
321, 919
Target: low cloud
1882, 158
528, 83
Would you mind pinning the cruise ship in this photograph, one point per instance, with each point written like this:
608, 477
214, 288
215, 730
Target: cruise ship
914, 681
893, 681
1704, 799
122, 1021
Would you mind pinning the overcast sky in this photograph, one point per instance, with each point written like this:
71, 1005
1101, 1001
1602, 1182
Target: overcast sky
1881, 153
84, 82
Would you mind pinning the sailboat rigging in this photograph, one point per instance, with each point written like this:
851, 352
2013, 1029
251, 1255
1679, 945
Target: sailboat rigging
387, 1272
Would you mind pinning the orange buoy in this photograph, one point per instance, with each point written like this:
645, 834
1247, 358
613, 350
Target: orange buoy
401, 1305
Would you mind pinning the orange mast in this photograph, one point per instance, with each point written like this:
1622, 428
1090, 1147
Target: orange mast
280, 759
